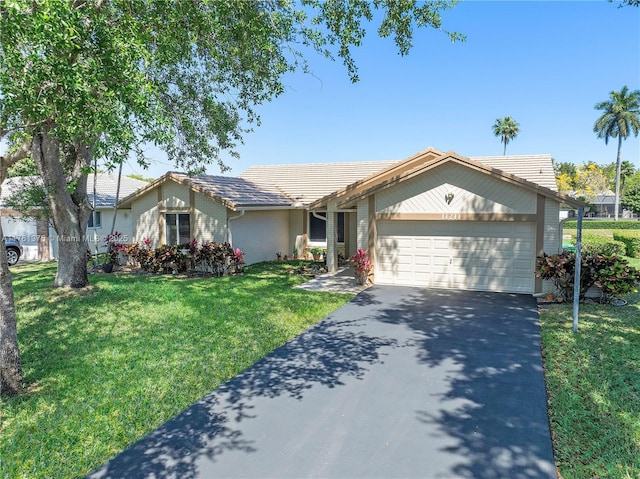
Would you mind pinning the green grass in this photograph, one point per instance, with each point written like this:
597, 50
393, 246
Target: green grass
593, 380
106, 365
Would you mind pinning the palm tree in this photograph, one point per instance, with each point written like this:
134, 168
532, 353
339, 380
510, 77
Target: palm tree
621, 117
507, 128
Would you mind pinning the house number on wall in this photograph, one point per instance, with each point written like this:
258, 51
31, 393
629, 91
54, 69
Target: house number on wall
450, 216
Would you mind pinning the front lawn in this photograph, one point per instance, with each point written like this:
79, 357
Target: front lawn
593, 380
106, 365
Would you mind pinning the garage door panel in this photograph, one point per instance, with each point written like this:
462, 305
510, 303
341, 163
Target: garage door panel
423, 243
422, 260
471, 255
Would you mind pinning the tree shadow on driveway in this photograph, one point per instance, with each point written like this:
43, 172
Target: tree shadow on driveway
323, 356
491, 419
401, 382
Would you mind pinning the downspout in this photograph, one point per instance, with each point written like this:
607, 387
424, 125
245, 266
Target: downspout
316, 215
561, 230
229, 220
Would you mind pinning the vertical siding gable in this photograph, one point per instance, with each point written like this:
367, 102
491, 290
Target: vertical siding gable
175, 195
473, 192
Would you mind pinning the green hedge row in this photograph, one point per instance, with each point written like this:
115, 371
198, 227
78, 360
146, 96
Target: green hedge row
631, 241
605, 224
594, 243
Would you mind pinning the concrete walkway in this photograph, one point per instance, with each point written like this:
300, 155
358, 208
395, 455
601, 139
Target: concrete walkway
342, 281
399, 383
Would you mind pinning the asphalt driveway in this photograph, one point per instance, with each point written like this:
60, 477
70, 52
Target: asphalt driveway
401, 382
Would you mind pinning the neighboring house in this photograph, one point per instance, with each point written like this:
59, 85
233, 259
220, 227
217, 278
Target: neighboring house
32, 233
602, 206
435, 219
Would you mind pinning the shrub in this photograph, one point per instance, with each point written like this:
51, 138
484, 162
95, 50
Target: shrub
169, 259
210, 257
612, 274
114, 246
362, 265
604, 224
141, 256
615, 276
595, 244
631, 240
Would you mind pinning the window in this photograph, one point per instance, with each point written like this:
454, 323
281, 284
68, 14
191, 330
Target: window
97, 215
318, 228
178, 228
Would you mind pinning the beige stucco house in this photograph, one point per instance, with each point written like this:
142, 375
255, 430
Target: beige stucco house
435, 219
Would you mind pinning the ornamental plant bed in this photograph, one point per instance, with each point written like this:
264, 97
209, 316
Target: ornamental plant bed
196, 259
614, 276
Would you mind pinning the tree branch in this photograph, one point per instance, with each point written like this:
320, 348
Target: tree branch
21, 152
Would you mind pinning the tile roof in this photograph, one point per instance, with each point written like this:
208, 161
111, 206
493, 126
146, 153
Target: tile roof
297, 185
308, 182
534, 168
106, 186
236, 191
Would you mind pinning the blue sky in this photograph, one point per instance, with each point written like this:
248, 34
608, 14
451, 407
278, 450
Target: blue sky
544, 63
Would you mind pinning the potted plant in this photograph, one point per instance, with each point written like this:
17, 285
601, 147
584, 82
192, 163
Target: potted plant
316, 252
113, 246
279, 256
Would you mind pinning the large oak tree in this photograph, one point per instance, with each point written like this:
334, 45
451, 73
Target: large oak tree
99, 79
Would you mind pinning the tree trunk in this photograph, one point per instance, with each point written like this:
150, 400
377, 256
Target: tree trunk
70, 209
115, 203
10, 365
618, 168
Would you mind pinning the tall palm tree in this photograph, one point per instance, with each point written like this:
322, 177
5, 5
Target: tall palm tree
506, 128
621, 117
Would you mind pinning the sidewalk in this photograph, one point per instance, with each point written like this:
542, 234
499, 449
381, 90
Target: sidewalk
342, 281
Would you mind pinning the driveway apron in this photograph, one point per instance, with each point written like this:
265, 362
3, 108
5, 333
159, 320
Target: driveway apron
399, 383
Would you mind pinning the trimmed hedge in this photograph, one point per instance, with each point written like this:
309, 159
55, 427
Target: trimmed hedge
631, 240
595, 243
604, 224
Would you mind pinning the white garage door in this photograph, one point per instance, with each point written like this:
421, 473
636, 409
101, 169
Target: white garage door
481, 256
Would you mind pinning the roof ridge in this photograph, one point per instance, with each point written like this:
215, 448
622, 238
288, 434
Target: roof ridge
320, 164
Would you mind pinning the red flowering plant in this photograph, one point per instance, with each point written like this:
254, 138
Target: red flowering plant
362, 265
114, 245
237, 260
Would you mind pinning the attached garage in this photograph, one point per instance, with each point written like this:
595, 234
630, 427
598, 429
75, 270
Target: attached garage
482, 255
441, 220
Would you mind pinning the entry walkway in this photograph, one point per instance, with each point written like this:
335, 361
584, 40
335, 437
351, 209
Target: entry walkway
342, 281
398, 383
